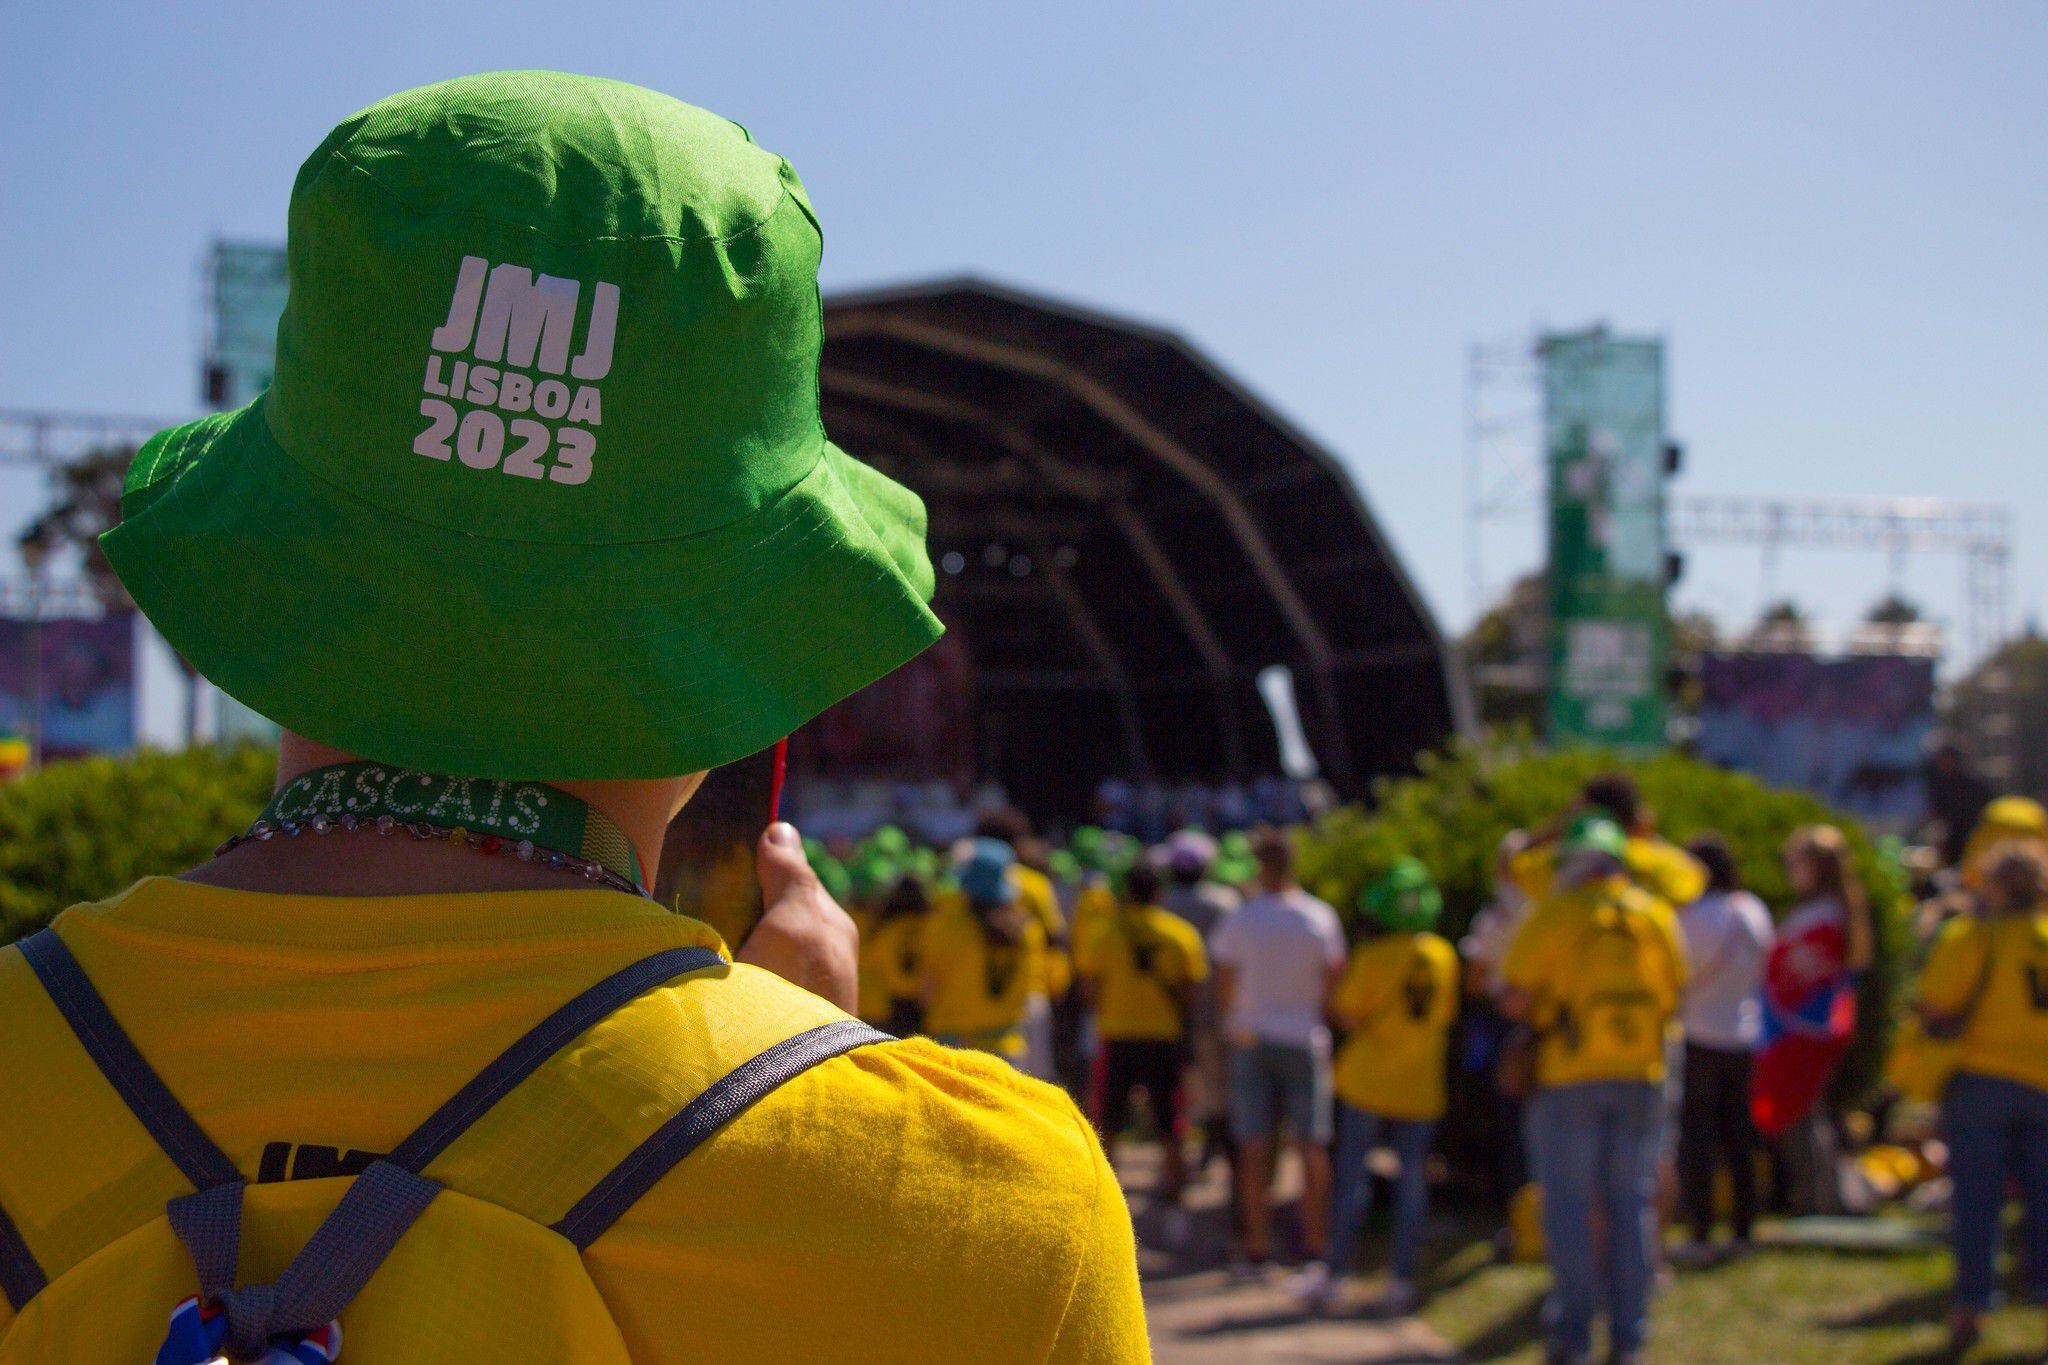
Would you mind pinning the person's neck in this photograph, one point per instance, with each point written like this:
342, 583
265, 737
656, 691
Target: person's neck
364, 863
1278, 886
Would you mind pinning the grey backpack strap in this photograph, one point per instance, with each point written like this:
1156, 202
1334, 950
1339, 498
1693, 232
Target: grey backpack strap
21, 1279
118, 1059
209, 1223
541, 1042
692, 1125
330, 1269
388, 1197
114, 1053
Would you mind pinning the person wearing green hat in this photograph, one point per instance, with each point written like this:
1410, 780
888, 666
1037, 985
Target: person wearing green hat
1596, 971
1397, 1000
888, 908
537, 522
1654, 863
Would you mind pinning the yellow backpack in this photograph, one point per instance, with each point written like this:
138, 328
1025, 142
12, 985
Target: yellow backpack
1618, 996
463, 1243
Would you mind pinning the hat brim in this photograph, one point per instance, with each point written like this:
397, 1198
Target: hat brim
412, 644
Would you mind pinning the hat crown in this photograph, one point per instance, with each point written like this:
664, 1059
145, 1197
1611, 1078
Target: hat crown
573, 158
1593, 832
537, 306
1404, 899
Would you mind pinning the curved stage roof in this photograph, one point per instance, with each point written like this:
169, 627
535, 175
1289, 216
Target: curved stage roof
1126, 538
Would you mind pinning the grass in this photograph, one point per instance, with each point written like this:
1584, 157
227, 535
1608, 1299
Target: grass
1785, 1306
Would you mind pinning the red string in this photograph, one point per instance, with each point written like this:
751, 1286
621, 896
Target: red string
780, 775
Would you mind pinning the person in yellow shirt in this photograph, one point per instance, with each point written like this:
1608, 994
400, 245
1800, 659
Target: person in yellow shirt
1657, 865
1103, 856
1596, 971
1986, 986
891, 931
1037, 897
1140, 968
981, 956
417, 1058
2009, 819
1397, 1000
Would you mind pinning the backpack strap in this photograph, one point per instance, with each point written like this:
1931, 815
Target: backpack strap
487, 1135
725, 1100
116, 1056
326, 1274
21, 1277
540, 1043
389, 1196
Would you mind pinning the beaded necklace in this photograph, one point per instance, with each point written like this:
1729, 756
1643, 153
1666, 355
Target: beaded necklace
530, 821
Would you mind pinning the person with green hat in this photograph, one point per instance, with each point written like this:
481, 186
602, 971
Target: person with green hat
1397, 1001
537, 522
888, 906
1654, 863
1596, 971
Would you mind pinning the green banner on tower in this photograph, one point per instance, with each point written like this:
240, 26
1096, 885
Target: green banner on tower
1603, 426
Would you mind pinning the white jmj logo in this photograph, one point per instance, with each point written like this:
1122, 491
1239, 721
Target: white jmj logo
510, 322
526, 322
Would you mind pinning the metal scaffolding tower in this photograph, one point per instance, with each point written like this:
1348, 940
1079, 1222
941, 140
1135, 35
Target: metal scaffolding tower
1503, 452
45, 440
1504, 484
1980, 533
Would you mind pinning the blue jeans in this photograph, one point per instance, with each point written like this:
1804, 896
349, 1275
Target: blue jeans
1597, 1142
1994, 1128
1358, 1132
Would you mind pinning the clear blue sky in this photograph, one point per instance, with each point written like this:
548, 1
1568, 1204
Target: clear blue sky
1837, 213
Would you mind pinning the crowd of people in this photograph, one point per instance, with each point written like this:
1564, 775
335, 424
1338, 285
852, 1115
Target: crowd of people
1650, 1033
422, 1037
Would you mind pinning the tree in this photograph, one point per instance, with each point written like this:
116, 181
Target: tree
85, 828
2010, 688
1783, 626
1506, 654
1454, 810
1894, 609
85, 503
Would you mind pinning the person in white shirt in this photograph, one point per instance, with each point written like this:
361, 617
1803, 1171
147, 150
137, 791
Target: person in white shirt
1277, 960
1728, 935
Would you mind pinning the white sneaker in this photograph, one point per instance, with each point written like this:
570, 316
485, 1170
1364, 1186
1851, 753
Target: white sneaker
1313, 1285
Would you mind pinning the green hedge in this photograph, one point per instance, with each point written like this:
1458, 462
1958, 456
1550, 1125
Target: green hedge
85, 829
1453, 813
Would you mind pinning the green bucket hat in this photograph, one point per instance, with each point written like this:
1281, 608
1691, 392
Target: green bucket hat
1593, 833
1405, 900
540, 488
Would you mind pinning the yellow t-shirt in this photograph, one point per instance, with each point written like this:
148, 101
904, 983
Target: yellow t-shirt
1094, 903
901, 1202
888, 962
2007, 1033
1142, 960
1658, 866
1399, 997
975, 991
1037, 897
1604, 965
1054, 971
